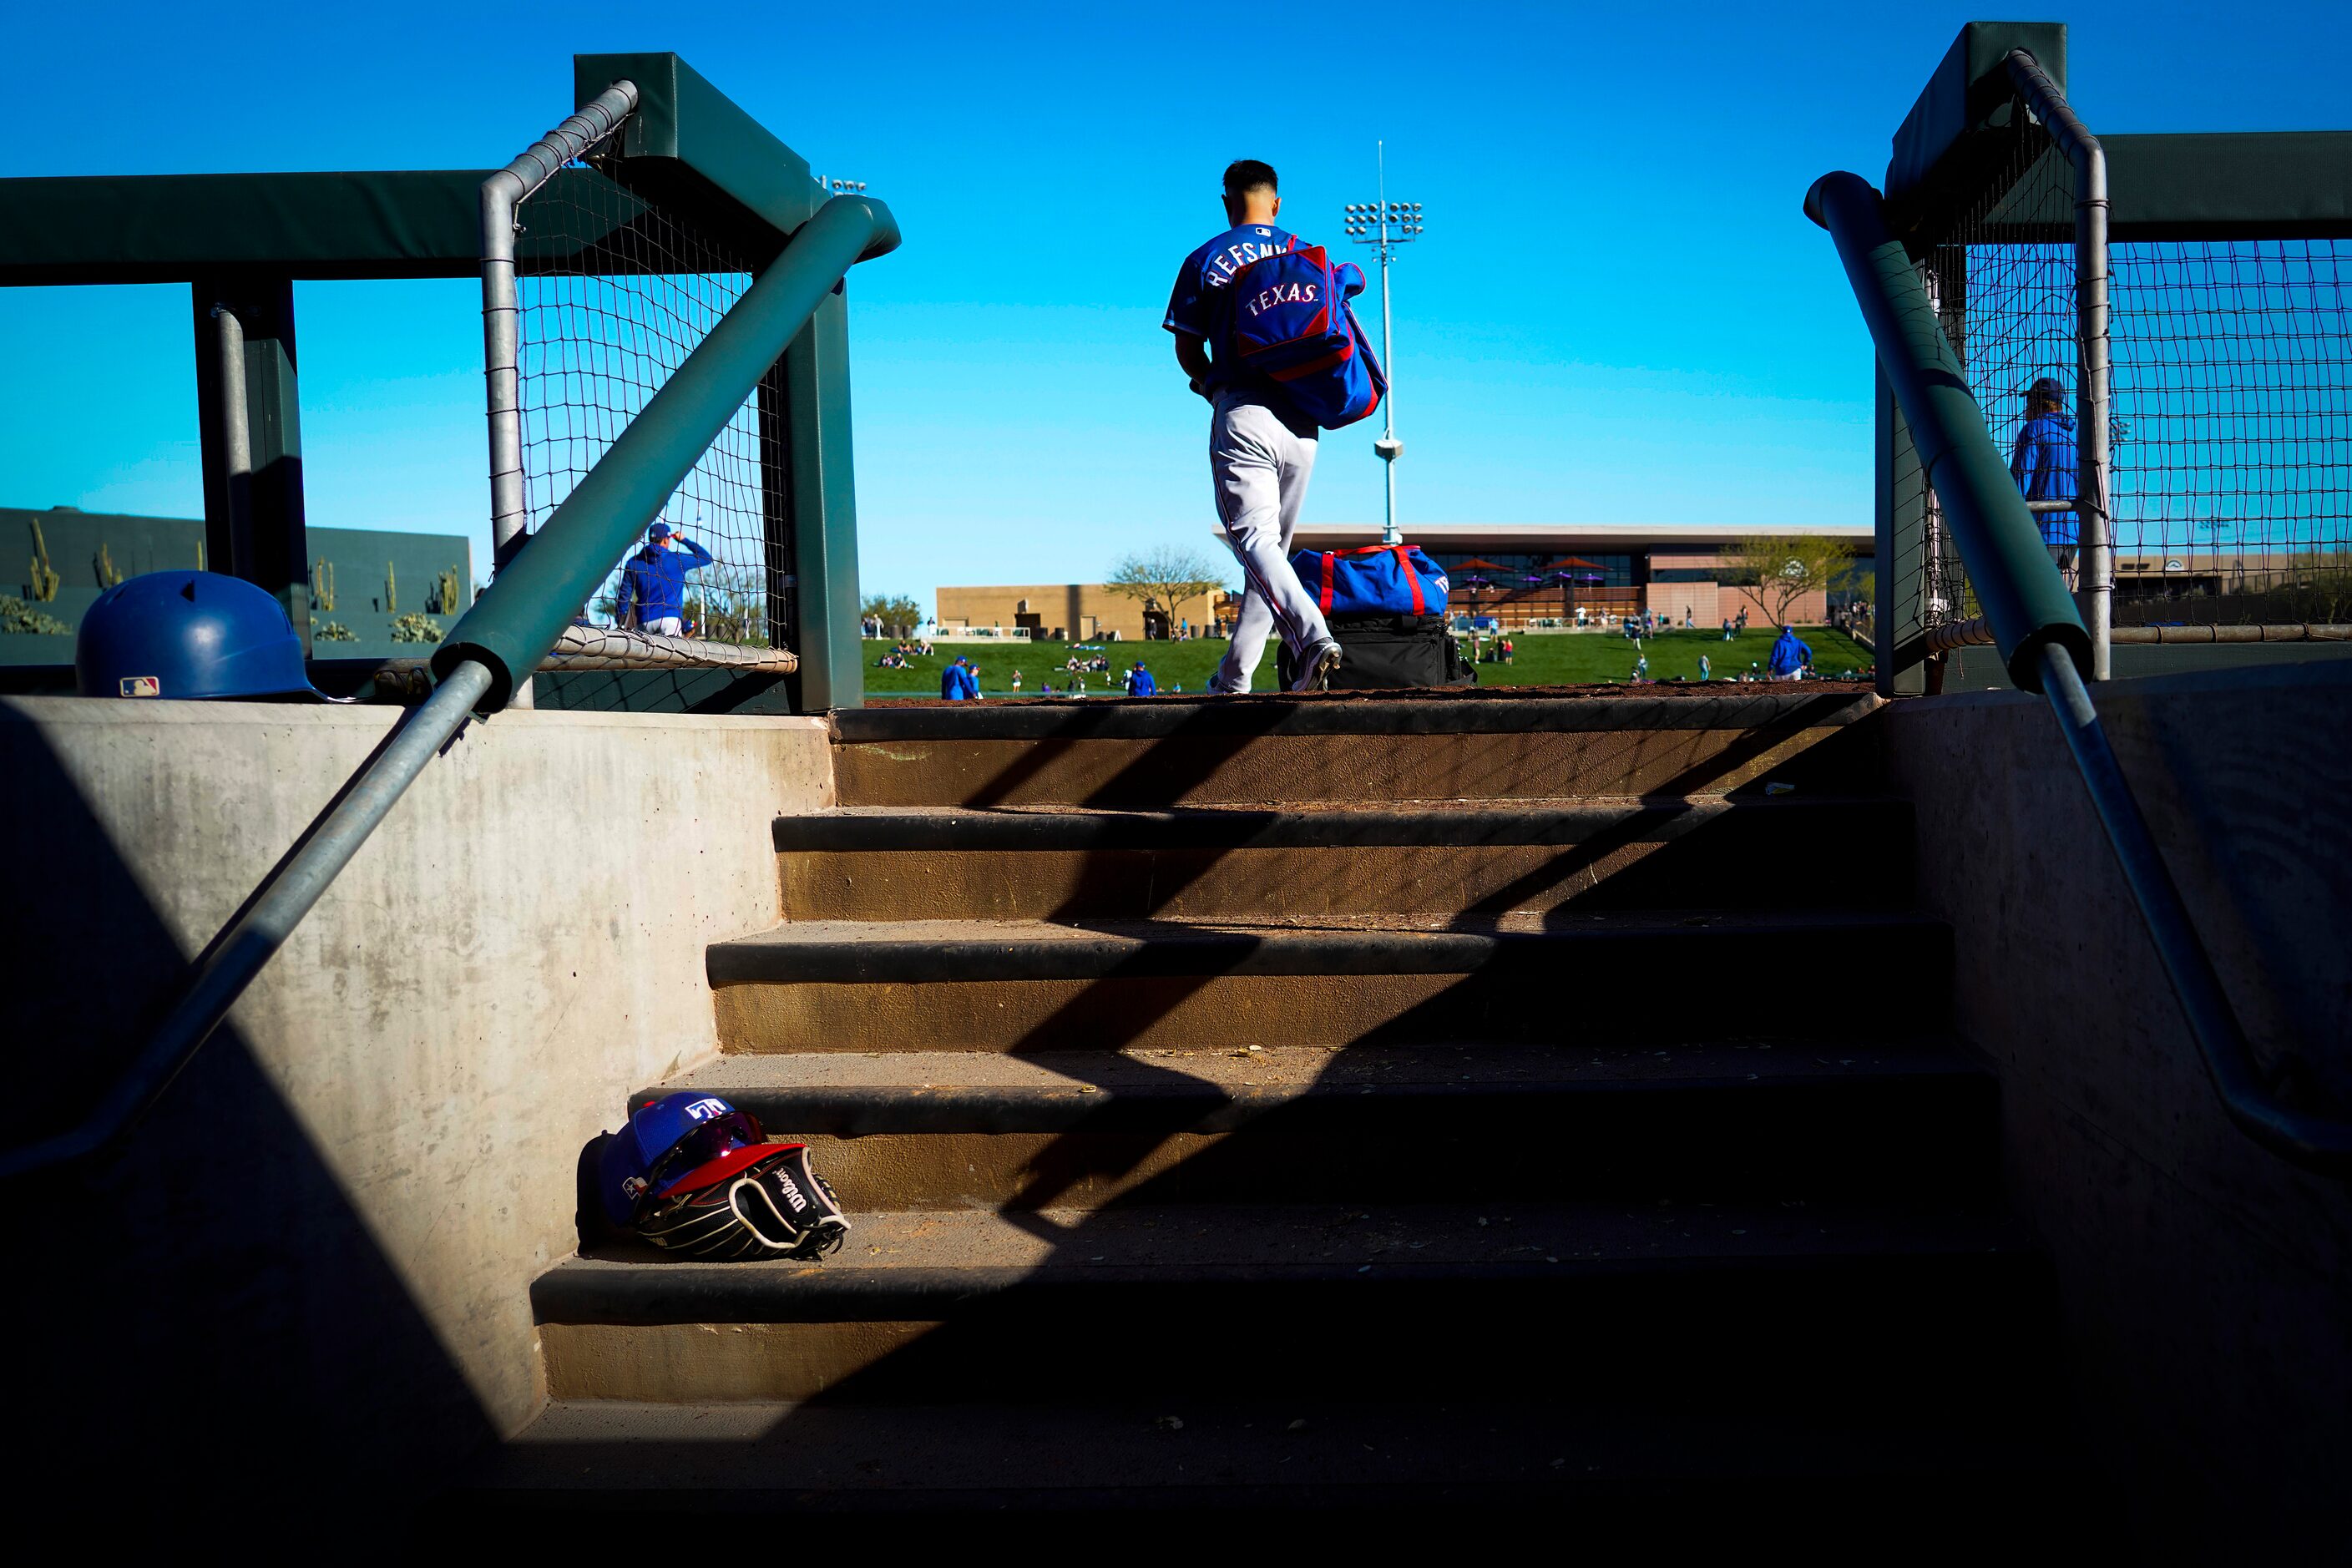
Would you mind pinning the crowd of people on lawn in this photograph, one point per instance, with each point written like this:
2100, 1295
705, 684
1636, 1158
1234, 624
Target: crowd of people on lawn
960, 681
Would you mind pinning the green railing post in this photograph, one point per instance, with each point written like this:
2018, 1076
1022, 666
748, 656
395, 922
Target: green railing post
510, 628
2024, 599
823, 491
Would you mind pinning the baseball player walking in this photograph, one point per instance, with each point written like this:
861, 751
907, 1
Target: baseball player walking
1260, 450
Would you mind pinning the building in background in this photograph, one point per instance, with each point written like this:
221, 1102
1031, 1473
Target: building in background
373, 595
1071, 611
1535, 573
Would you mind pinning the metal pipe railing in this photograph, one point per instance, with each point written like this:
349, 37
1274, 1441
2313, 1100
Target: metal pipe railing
517, 620
1978, 633
2023, 597
2033, 621
2094, 370
526, 607
501, 194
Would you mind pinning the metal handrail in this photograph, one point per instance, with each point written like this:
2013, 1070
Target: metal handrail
2033, 620
510, 630
2093, 375
593, 122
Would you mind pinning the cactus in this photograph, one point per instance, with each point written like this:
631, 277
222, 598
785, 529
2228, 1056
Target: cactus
333, 631
44, 581
413, 627
391, 590
107, 575
200, 555
444, 600
322, 584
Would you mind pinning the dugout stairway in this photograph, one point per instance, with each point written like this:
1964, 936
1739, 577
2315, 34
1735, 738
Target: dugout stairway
1340, 1102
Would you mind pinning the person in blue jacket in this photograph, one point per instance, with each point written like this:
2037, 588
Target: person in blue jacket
958, 683
1790, 655
653, 583
2043, 462
1139, 682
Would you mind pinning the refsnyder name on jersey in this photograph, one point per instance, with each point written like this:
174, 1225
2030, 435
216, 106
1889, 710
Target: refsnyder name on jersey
1219, 269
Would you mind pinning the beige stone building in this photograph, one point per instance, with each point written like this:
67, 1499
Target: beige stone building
1075, 612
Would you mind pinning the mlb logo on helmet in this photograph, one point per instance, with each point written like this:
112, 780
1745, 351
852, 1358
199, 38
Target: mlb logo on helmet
140, 685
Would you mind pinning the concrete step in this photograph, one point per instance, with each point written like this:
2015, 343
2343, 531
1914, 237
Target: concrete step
1033, 985
1355, 748
1713, 1306
1657, 1474
1247, 1124
1451, 858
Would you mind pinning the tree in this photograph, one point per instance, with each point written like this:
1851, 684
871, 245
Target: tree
1172, 574
1776, 569
899, 614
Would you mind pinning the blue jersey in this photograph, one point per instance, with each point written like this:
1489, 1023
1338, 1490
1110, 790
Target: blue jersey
1194, 303
2043, 462
1790, 653
653, 583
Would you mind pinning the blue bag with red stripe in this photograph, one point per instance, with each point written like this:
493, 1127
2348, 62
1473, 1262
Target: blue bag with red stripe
1290, 321
1378, 579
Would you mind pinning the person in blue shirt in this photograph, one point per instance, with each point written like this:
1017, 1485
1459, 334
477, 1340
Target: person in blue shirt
653, 583
1790, 655
1261, 447
959, 683
1139, 682
2044, 463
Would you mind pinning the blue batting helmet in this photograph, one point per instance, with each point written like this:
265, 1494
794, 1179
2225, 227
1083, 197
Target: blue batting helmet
188, 634
669, 1140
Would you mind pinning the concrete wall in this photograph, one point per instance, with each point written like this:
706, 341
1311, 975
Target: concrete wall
317, 1257
2207, 1284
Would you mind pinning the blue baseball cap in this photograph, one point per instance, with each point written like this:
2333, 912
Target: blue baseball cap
658, 531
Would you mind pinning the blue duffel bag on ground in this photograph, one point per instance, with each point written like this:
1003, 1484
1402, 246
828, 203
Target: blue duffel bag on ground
1378, 579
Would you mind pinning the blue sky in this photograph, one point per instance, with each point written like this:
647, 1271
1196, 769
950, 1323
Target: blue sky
1618, 313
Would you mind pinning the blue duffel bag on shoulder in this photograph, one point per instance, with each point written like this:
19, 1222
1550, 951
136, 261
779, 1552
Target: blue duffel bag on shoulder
1378, 579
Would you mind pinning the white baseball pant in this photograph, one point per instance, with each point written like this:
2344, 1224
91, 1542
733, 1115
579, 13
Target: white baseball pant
1260, 463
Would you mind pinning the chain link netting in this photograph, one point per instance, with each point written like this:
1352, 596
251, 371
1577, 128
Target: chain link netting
614, 291
2002, 277
2232, 431
2230, 423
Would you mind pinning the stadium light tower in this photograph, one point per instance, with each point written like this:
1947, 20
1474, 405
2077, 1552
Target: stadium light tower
1384, 225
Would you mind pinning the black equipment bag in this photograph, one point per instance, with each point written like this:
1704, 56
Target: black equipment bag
1389, 653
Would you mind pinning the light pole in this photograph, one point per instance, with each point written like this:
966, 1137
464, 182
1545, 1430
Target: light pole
1384, 225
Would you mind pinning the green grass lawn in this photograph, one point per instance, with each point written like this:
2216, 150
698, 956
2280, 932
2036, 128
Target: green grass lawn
1560, 659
